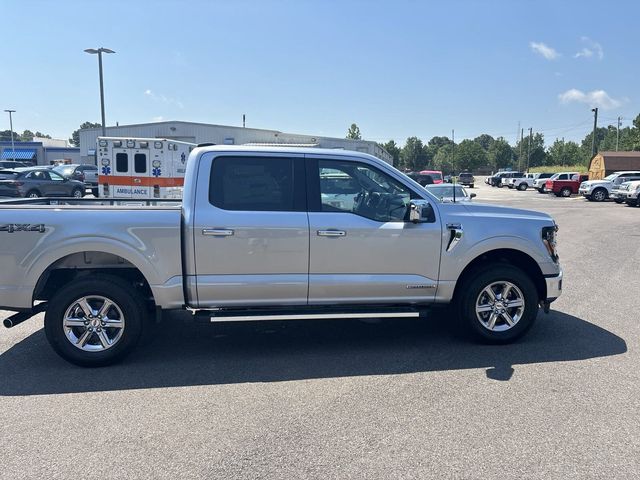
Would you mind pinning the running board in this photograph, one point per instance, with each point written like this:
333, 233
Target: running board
312, 316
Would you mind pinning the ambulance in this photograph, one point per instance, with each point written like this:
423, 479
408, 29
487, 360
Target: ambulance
141, 168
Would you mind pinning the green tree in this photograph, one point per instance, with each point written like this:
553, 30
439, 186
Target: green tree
41, 135
469, 155
27, 136
585, 146
484, 141
354, 132
394, 150
5, 136
443, 160
432, 147
412, 155
536, 156
75, 136
564, 153
500, 154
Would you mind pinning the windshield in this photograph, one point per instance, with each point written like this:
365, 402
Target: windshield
64, 171
611, 177
554, 176
446, 191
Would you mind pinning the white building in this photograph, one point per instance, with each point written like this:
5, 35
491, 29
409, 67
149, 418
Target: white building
222, 134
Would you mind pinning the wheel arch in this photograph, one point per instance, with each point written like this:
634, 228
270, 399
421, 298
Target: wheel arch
507, 256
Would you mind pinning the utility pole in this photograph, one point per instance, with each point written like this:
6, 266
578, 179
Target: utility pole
13, 148
529, 147
618, 133
562, 156
244, 118
520, 154
453, 162
595, 126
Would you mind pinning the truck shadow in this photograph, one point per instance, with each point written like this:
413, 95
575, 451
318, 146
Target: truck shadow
186, 355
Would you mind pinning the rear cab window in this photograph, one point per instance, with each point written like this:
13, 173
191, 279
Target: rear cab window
257, 184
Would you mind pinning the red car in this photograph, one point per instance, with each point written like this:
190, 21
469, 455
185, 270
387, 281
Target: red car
565, 188
435, 174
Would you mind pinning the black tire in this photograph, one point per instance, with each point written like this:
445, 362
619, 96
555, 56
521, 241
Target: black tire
33, 194
522, 187
471, 289
540, 190
565, 192
618, 201
471, 186
124, 296
95, 192
500, 185
599, 195
77, 193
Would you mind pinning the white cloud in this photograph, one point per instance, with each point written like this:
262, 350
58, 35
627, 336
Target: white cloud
544, 50
590, 49
163, 98
595, 98
157, 119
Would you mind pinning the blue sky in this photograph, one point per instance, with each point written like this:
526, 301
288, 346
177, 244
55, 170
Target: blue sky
396, 68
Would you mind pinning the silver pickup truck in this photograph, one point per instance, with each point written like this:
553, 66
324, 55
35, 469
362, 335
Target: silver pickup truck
272, 233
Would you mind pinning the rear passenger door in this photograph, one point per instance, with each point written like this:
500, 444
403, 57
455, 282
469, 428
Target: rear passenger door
250, 230
140, 180
120, 178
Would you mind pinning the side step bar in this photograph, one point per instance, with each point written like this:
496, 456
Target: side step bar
312, 316
254, 315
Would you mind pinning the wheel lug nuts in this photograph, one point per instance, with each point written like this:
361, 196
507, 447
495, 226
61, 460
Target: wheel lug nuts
99, 329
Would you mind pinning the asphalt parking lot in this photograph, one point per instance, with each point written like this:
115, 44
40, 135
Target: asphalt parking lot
350, 399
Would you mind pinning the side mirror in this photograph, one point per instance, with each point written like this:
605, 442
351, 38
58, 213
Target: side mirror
421, 211
473, 195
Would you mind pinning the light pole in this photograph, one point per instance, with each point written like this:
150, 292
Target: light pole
618, 133
595, 126
13, 148
99, 52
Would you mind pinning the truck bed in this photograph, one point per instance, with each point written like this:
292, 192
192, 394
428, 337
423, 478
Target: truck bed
36, 234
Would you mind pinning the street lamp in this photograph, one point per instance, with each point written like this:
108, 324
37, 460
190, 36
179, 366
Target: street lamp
13, 148
99, 52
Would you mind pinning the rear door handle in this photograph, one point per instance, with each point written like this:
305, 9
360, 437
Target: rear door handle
332, 233
217, 232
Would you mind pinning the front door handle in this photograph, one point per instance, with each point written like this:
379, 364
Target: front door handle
217, 232
332, 233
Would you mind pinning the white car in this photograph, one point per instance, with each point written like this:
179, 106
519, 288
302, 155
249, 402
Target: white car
445, 192
600, 190
633, 191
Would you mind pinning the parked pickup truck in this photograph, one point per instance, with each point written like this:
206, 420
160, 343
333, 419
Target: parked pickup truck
272, 233
565, 188
540, 183
600, 190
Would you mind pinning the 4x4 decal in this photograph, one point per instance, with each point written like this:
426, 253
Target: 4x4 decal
22, 227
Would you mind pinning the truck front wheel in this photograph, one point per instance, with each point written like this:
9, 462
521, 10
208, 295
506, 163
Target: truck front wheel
498, 304
599, 195
93, 322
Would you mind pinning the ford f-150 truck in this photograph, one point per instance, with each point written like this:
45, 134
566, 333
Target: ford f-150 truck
272, 233
565, 188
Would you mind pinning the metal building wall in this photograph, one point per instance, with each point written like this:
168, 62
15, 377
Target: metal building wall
220, 134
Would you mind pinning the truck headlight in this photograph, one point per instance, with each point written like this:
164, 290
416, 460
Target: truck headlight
549, 240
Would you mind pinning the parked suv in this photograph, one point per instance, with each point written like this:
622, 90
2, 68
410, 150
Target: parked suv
599, 190
9, 164
467, 179
633, 193
37, 182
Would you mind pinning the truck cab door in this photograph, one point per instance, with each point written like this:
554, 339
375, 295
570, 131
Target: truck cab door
250, 231
362, 249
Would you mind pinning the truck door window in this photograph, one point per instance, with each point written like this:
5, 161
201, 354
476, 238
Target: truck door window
252, 184
122, 162
140, 163
361, 189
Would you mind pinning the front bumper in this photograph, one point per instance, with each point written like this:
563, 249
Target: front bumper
554, 287
585, 192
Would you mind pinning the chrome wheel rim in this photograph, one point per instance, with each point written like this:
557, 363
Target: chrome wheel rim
77, 194
598, 196
93, 323
33, 195
500, 306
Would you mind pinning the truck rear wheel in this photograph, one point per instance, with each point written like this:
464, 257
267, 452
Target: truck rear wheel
93, 322
498, 304
522, 187
565, 192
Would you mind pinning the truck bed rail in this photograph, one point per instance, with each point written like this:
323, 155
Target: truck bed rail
125, 202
